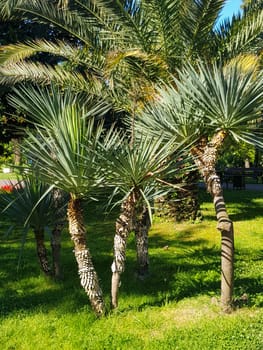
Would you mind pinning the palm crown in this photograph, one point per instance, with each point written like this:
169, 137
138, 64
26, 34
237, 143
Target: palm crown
205, 101
64, 129
127, 45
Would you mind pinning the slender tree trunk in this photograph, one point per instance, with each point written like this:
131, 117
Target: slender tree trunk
124, 225
56, 248
205, 157
42, 252
16, 151
59, 203
88, 276
141, 228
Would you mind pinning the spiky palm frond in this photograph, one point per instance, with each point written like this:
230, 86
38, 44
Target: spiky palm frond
58, 146
132, 40
171, 117
228, 97
198, 27
20, 51
45, 74
93, 23
28, 204
209, 100
141, 167
45, 115
241, 35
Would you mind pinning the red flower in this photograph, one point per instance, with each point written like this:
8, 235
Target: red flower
6, 188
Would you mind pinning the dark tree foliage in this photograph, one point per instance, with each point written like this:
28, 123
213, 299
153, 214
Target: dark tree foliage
12, 31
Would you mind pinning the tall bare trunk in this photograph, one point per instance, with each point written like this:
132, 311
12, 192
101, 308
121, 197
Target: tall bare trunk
141, 228
123, 227
59, 198
88, 276
16, 151
205, 157
42, 252
56, 247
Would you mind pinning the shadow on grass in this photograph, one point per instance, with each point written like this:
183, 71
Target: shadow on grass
241, 205
186, 268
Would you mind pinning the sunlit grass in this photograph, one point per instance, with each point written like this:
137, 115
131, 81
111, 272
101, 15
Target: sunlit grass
175, 308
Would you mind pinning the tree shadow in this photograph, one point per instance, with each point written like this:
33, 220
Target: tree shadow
182, 267
241, 205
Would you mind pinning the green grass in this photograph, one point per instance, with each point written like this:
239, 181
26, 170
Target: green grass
175, 308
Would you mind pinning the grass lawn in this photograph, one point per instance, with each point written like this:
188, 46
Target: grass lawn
175, 308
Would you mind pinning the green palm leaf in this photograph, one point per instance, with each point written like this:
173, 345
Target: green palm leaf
229, 98
24, 206
206, 101
143, 166
63, 131
46, 74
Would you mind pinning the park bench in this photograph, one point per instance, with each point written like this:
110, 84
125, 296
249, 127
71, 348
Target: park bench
238, 176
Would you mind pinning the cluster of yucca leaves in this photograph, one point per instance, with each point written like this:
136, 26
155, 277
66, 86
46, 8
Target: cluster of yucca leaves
71, 150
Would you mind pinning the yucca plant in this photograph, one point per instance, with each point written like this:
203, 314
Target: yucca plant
208, 106
63, 150
137, 171
25, 206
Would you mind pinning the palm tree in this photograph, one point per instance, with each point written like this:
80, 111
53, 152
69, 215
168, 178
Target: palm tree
141, 41
209, 106
137, 172
25, 207
125, 47
63, 150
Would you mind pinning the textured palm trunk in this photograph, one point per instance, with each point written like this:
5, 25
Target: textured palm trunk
141, 228
56, 248
88, 276
124, 225
205, 157
42, 252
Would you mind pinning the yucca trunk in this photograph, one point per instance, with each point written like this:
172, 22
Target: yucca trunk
88, 276
42, 251
124, 225
141, 229
206, 156
56, 248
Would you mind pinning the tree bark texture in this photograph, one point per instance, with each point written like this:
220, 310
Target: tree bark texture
141, 228
88, 276
123, 227
205, 157
42, 251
